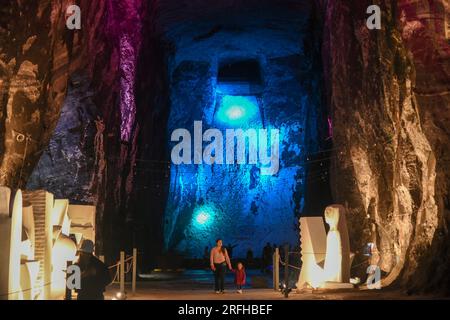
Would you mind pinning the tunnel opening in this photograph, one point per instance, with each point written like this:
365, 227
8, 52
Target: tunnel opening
246, 70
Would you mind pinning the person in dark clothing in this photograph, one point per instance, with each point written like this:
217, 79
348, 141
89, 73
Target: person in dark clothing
230, 250
266, 257
94, 274
249, 257
206, 255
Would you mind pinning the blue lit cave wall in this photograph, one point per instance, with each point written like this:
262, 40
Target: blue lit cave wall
278, 89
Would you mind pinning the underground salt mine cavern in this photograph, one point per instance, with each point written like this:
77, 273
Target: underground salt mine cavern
311, 136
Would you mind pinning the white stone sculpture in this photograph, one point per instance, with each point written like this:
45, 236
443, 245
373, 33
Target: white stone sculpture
82, 219
326, 259
36, 243
10, 243
337, 260
313, 250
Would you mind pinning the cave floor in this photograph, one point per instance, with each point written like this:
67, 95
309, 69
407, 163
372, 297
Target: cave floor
197, 285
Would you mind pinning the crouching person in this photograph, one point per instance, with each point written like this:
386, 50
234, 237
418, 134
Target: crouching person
94, 274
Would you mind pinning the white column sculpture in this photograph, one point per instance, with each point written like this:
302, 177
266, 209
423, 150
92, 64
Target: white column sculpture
10, 243
326, 259
337, 260
313, 251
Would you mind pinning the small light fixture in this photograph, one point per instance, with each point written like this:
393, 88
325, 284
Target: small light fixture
202, 217
237, 110
120, 296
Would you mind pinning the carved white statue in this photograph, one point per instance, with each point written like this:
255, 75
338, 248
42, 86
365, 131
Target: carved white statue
326, 258
35, 243
337, 259
313, 250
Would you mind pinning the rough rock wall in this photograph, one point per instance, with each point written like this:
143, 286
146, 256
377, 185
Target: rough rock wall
389, 159
39, 56
67, 166
422, 25
33, 79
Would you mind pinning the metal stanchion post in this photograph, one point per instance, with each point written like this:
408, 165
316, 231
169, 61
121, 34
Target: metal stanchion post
286, 271
133, 283
122, 272
274, 260
276, 270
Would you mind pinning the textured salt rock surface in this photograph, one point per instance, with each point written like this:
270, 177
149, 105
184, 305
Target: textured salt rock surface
389, 134
32, 86
237, 203
67, 166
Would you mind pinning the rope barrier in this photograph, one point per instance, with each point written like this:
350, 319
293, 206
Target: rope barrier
118, 263
116, 276
289, 265
128, 266
299, 268
114, 265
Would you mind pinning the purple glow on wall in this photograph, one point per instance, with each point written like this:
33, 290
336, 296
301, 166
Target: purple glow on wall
128, 72
125, 27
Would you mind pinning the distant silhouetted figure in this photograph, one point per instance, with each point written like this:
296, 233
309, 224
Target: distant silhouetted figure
249, 257
206, 255
230, 250
266, 257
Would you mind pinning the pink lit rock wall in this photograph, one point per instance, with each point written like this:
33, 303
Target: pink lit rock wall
125, 23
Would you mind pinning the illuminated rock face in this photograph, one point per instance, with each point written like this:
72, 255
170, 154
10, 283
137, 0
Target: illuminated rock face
391, 134
236, 202
31, 93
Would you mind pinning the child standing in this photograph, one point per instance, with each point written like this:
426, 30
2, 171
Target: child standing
239, 276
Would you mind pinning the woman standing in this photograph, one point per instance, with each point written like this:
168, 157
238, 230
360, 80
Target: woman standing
219, 260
